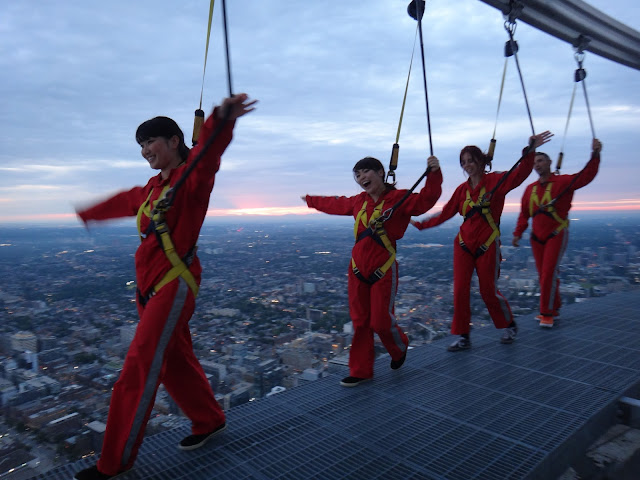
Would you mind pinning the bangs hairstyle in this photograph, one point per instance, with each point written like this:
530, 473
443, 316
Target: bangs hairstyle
163, 127
546, 157
370, 163
477, 156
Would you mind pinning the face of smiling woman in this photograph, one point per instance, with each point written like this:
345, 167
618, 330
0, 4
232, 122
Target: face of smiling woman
161, 153
371, 181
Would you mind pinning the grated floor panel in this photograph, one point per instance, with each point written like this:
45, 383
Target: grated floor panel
495, 412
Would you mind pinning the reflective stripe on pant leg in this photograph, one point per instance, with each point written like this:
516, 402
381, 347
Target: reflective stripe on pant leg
555, 281
156, 367
393, 271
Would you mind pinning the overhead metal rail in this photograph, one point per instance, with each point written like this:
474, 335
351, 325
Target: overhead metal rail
579, 24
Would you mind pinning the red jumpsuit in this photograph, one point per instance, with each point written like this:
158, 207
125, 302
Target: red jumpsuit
474, 232
371, 306
161, 351
550, 233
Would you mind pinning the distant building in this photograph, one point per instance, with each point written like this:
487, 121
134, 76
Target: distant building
23, 341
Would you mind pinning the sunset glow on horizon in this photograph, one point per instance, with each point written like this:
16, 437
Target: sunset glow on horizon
622, 205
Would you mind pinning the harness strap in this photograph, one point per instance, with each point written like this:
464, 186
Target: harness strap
545, 206
179, 266
469, 208
375, 230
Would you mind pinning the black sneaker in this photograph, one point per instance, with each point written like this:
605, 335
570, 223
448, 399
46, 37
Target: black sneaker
396, 364
353, 381
460, 344
92, 473
509, 334
196, 441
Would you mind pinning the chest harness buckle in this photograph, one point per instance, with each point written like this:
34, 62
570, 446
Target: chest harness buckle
158, 225
545, 206
482, 206
375, 230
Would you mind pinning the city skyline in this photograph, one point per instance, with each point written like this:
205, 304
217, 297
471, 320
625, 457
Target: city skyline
329, 80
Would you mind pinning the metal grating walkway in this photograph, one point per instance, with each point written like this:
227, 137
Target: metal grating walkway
520, 411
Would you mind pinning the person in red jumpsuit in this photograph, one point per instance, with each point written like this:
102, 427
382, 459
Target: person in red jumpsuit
161, 350
550, 224
477, 245
373, 271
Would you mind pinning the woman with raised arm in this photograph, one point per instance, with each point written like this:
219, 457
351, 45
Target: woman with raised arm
480, 201
373, 270
167, 276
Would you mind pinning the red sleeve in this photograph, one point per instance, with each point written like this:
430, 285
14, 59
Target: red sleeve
588, 173
332, 205
203, 175
519, 174
523, 218
123, 204
449, 210
419, 203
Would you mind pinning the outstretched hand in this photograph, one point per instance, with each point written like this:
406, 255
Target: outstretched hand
238, 105
540, 138
515, 241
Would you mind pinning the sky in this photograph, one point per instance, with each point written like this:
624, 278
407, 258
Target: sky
79, 77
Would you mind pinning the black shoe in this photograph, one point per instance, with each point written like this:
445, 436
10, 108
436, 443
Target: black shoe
396, 364
196, 441
92, 473
460, 344
509, 334
353, 381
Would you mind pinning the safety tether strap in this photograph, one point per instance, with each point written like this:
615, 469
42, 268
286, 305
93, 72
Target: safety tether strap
545, 205
482, 206
199, 113
375, 230
416, 10
510, 26
393, 162
579, 77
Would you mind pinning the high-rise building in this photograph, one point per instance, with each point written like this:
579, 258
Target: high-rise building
23, 341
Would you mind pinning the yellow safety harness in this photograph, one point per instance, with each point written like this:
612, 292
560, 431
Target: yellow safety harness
469, 208
376, 231
545, 205
158, 224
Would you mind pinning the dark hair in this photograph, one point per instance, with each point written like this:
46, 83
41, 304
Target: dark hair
546, 157
163, 127
371, 163
478, 157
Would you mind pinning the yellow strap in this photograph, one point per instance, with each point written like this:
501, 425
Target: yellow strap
485, 211
469, 203
380, 272
179, 269
362, 217
146, 208
206, 51
534, 202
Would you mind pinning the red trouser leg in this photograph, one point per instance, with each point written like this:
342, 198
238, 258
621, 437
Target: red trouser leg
361, 354
187, 384
372, 310
463, 266
383, 318
548, 257
488, 269
134, 393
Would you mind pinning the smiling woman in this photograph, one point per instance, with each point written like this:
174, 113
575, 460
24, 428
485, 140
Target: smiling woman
168, 278
373, 274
